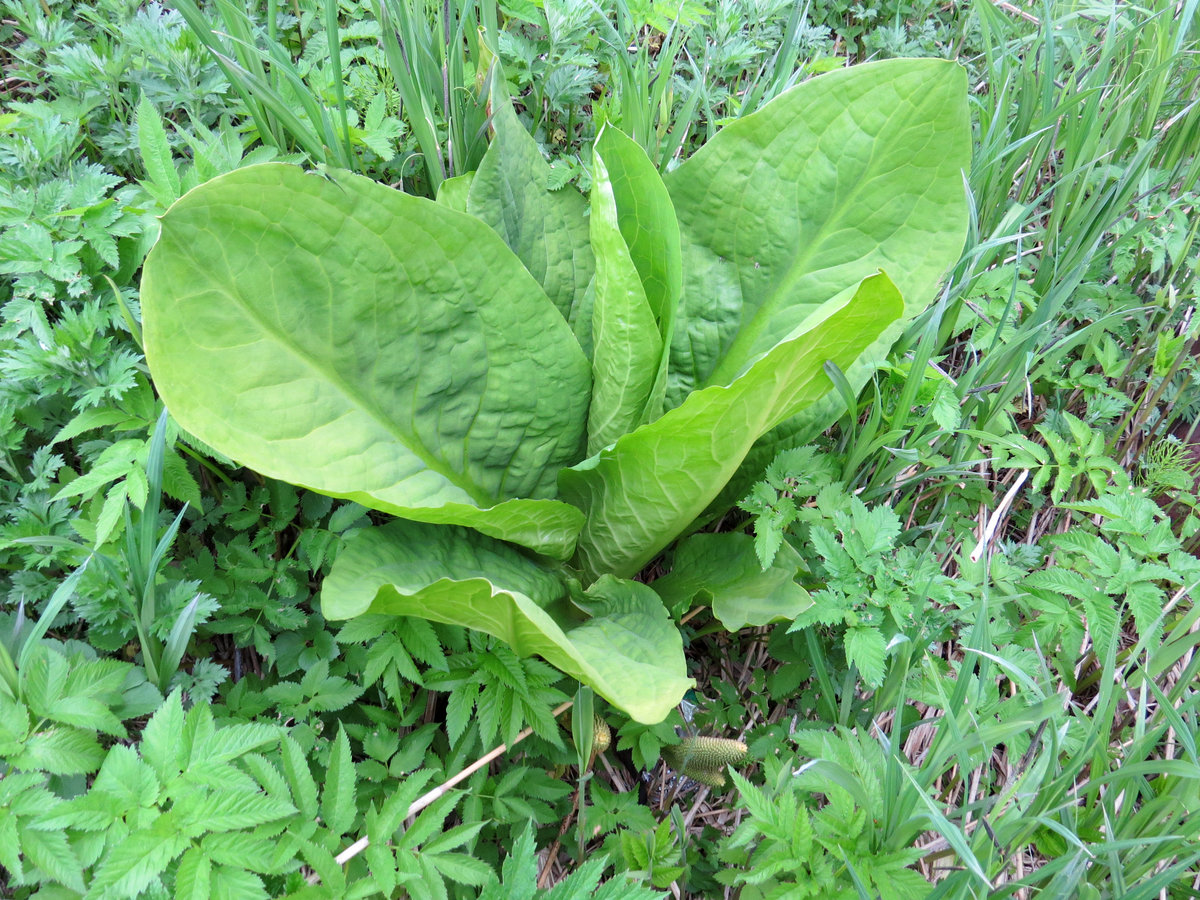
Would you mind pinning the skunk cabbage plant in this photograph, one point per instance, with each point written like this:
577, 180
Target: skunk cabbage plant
547, 390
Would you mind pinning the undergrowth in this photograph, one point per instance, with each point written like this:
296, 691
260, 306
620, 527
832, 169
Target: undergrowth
993, 691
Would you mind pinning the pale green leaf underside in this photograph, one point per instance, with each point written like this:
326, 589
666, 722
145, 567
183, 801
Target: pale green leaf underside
724, 571
630, 652
843, 175
453, 192
348, 338
646, 489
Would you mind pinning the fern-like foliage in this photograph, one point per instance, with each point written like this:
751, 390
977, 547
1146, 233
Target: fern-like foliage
520, 871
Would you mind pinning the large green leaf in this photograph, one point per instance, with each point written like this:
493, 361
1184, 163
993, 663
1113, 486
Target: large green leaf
642, 492
650, 230
346, 337
627, 351
854, 171
629, 651
547, 230
724, 571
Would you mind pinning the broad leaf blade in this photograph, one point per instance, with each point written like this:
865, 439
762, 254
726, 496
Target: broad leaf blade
348, 338
724, 571
627, 347
629, 651
851, 172
648, 224
547, 230
641, 493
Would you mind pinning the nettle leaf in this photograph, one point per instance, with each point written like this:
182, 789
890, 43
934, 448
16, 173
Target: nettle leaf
161, 746
724, 571
194, 876
640, 493
50, 852
337, 797
346, 337
139, 859
865, 648
629, 651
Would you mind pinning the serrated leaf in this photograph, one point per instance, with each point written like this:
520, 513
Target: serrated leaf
61, 751
193, 878
126, 781
228, 811
945, 407
463, 869
237, 884
10, 844
337, 798
300, 779
235, 740
86, 712
43, 678
161, 746
156, 153
241, 850
50, 852
93, 811
459, 706
518, 871
138, 860
865, 648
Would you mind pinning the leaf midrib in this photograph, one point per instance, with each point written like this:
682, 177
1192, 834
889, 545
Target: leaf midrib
474, 491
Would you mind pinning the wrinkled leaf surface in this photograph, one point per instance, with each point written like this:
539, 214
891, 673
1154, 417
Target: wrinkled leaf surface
348, 338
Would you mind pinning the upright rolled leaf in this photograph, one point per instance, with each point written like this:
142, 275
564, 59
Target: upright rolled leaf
648, 225
643, 491
627, 348
848, 173
348, 338
629, 651
546, 229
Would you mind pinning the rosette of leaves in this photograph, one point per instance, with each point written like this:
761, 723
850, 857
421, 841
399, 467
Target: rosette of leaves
545, 389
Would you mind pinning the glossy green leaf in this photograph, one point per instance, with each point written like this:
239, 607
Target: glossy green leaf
723, 571
547, 230
627, 348
848, 173
348, 338
648, 224
629, 651
642, 492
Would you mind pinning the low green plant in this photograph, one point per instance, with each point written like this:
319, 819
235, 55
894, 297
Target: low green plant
790, 846
864, 581
575, 421
519, 879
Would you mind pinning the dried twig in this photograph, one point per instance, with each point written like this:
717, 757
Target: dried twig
427, 798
